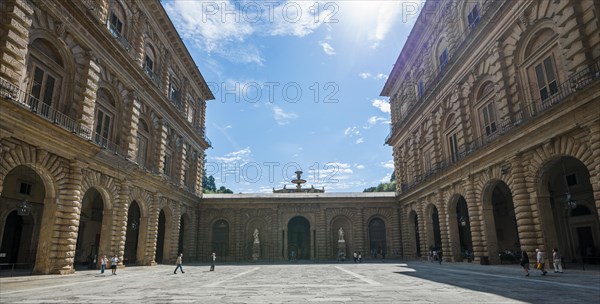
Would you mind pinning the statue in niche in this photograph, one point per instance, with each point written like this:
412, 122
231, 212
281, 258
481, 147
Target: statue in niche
341, 234
256, 240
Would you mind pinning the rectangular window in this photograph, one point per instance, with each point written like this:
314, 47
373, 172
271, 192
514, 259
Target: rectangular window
190, 113
453, 146
489, 119
175, 94
473, 17
427, 161
42, 89
25, 188
443, 59
142, 151
546, 79
420, 88
168, 161
103, 121
115, 24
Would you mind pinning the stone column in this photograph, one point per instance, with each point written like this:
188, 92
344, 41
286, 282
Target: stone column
14, 38
526, 224
594, 144
396, 234
63, 239
150, 221
475, 219
119, 214
89, 89
161, 143
424, 248
131, 118
174, 233
359, 240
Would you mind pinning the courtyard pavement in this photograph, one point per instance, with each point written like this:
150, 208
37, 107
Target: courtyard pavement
370, 282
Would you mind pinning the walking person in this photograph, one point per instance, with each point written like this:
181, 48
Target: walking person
540, 264
213, 258
557, 261
178, 263
360, 257
525, 262
113, 264
355, 256
103, 262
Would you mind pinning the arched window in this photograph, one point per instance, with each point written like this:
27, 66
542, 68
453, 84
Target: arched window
220, 238
542, 56
472, 13
190, 109
105, 118
143, 141
46, 72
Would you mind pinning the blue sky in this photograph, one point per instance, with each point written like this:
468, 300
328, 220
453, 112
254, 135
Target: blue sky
296, 86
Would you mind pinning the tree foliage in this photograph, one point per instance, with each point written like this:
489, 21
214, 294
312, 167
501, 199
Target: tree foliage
384, 187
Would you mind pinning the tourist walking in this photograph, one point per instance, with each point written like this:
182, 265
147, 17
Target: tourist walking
178, 263
557, 261
360, 257
113, 264
103, 262
213, 258
540, 264
525, 262
355, 256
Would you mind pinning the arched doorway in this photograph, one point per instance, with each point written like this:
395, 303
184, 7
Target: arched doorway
460, 230
434, 236
571, 222
414, 230
347, 246
220, 238
21, 210
377, 237
132, 234
299, 238
160, 237
501, 223
90, 227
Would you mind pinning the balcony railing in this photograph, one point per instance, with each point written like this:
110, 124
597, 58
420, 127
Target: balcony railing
120, 38
12, 93
575, 83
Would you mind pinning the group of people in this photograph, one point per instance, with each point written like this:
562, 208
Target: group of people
357, 256
540, 264
114, 260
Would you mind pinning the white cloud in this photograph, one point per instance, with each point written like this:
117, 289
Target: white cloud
373, 120
351, 131
240, 156
364, 75
386, 178
388, 164
282, 117
360, 140
359, 166
327, 48
224, 27
381, 76
382, 105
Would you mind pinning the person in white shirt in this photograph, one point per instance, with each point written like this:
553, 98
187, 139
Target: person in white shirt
113, 264
540, 264
178, 263
557, 261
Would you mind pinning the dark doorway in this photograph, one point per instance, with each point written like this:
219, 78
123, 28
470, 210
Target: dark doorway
132, 235
464, 227
160, 237
299, 238
437, 235
504, 220
586, 244
220, 240
377, 237
415, 219
90, 227
180, 240
11, 240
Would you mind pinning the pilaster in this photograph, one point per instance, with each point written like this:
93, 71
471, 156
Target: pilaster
14, 38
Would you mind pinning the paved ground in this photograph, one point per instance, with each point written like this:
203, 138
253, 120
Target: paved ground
390, 282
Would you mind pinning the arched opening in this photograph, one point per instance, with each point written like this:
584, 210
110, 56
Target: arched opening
464, 230
435, 236
299, 238
255, 246
571, 222
220, 238
501, 223
21, 211
377, 237
414, 225
132, 234
90, 227
160, 237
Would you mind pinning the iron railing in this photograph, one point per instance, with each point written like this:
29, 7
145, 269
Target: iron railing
14, 94
575, 83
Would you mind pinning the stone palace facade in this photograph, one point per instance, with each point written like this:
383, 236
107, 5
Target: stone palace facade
495, 131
